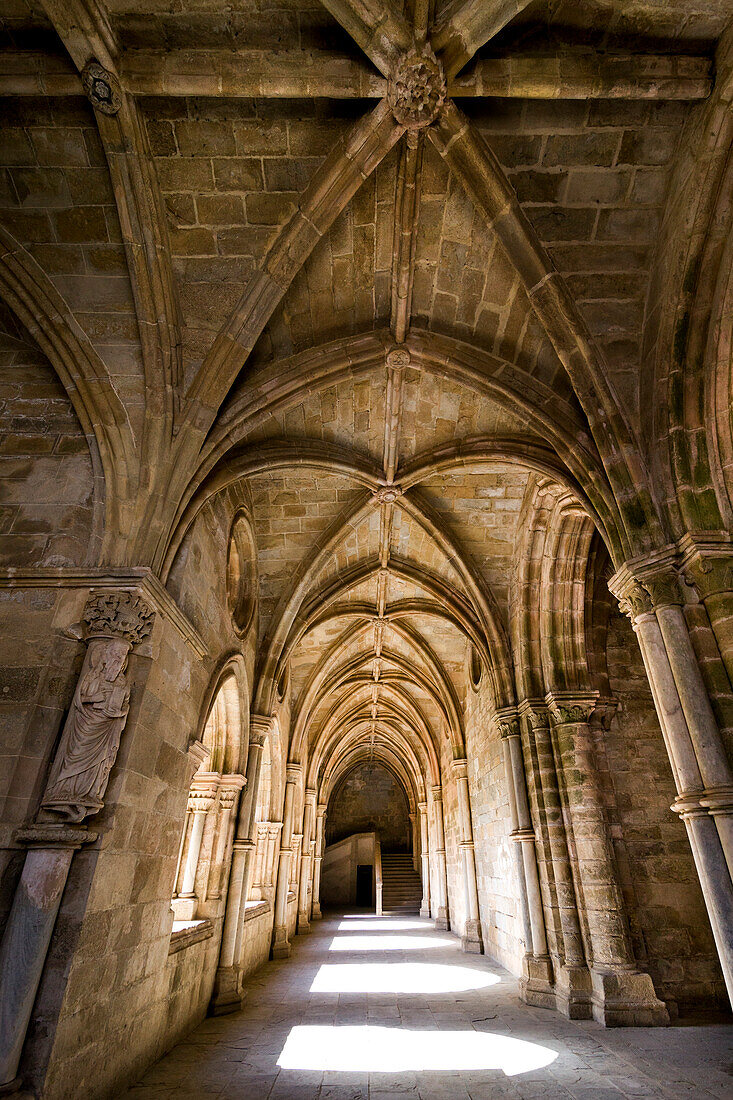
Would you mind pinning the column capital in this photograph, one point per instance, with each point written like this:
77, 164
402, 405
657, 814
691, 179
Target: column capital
311, 794
707, 562
459, 768
570, 706
260, 728
422, 807
536, 712
232, 781
437, 792
200, 802
658, 577
507, 719
293, 772
118, 613
321, 809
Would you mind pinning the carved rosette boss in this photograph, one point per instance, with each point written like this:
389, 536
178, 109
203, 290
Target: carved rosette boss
102, 88
113, 623
417, 89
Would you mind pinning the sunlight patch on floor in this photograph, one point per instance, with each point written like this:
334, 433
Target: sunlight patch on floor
387, 943
367, 1049
379, 925
399, 978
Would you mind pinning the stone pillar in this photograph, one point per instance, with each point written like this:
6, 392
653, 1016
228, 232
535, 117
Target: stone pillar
318, 859
113, 622
621, 994
200, 802
471, 940
440, 913
305, 862
228, 793
273, 835
228, 993
572, 977
536, 982
708, 564
415, 831
281, 943
693, 756
425, 859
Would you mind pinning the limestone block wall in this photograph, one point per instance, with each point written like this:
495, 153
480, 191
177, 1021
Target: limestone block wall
47, 500
669, 923
370, 798
495, 859
112, 999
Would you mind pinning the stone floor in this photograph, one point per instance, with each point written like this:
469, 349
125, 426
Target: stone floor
384, 1008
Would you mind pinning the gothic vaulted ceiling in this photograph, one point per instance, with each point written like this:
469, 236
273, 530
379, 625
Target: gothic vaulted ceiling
311, 253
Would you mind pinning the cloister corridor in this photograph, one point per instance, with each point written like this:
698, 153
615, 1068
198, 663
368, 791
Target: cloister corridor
377, 1007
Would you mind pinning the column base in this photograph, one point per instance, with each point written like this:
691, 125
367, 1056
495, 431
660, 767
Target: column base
425, 912
316, 914
281, 948
228, 995
441, 919
471, 940
536, 986
303, 925
626, 998
573, 993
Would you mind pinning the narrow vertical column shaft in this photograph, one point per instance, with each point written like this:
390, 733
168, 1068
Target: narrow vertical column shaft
425, 859
305, 862
318, 859
281, 944
471, 940
440, 911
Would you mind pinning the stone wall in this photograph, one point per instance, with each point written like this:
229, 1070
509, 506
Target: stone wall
370, 798
501, 925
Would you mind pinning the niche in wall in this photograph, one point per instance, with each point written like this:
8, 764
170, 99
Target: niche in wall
370, 798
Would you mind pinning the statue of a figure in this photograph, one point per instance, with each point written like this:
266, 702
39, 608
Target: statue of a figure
92, 732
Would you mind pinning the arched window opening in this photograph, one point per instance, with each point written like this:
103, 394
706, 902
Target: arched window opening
206, 844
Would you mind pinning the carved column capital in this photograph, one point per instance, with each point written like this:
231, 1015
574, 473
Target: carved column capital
664, 589
460, 768
118, 614
536, 713
200, 802
437, 792
508, 722
293, 772
571, 707
708, 564
260, 727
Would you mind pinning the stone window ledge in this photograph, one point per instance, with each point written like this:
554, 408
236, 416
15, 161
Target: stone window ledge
254, 909
187, 932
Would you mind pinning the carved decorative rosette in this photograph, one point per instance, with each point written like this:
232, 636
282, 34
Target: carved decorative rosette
398, 358
417, 88
102, 88
388, 494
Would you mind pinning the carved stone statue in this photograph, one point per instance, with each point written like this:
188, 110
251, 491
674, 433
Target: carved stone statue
91, 737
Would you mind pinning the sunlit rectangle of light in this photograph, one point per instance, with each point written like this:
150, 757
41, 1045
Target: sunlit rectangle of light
399, 978
388, 942
367, 1049
381, 925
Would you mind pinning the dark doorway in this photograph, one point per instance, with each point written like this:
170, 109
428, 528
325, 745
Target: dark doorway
364, 884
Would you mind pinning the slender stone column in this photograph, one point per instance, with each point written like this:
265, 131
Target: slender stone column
229, 789
113, 622
708, 563
536, 981
415, 828
692, 800
281, 945
621, 994
471, 941
200, 801
273, 836
442, 919
320, 839
425, 859
305, 862
228, 993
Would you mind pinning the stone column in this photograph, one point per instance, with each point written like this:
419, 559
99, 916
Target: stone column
305, 862
228, 793
273, 835
415, 835
113, 622
320, 839
621, 994
425, 859
228, 993
697, 806
281, 943
471, 940
536, 982
200, 802
708, 564
441, 902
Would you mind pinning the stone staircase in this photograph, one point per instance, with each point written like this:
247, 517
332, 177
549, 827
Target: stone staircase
401, 885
